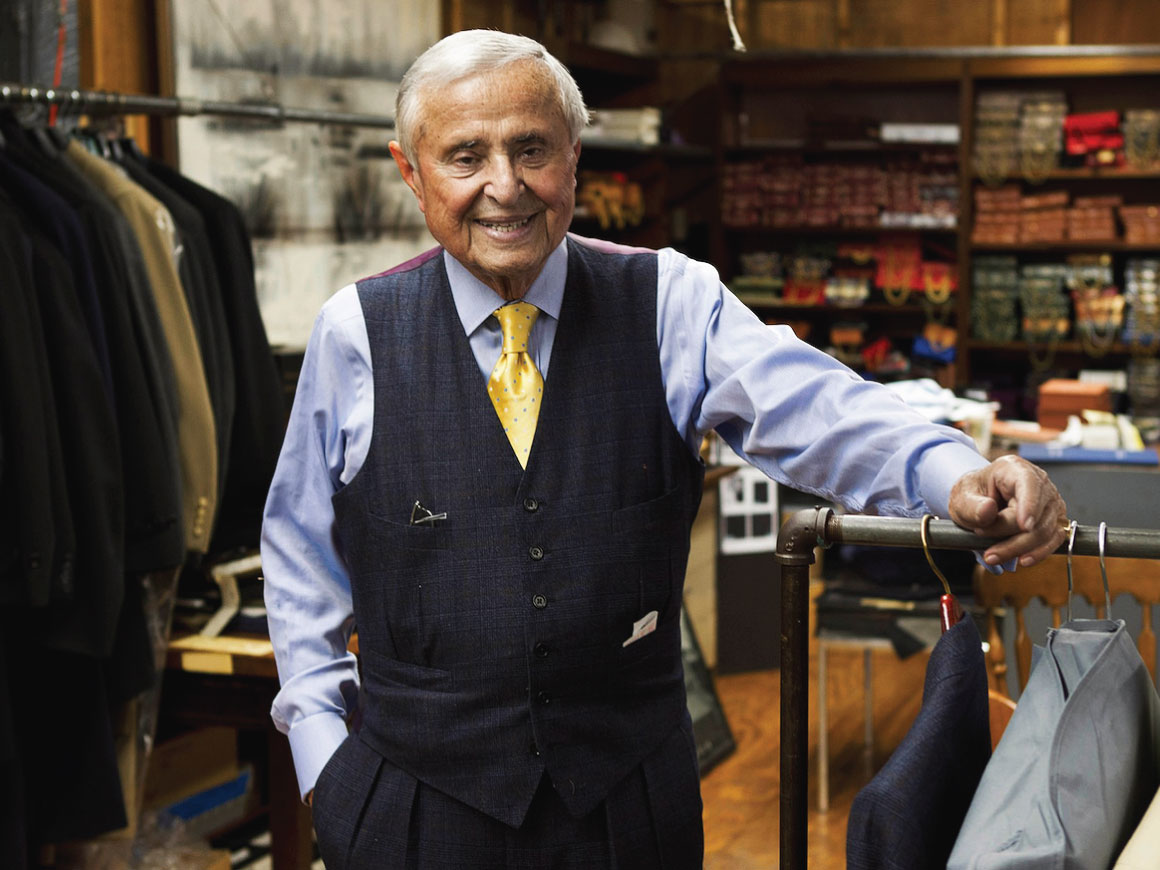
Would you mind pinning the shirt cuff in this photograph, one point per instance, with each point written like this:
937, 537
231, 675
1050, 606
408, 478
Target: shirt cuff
938, 470
312, 741
941, 467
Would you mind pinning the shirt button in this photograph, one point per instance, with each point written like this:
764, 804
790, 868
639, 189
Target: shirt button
534, 749
544, 698
539, 601
541, 650
537, 553
531, 505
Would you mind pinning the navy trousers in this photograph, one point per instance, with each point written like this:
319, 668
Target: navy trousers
370, 815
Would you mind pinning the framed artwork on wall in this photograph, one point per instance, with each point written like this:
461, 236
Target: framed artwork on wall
324, 204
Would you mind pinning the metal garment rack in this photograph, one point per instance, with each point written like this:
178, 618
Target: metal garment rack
106, 103
815, 527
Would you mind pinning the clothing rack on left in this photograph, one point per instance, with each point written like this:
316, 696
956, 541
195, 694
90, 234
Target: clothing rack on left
106, 103
141, 415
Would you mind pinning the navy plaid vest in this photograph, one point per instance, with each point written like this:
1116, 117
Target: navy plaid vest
491, 642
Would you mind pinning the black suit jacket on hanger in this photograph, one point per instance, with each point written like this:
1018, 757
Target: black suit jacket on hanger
28, 533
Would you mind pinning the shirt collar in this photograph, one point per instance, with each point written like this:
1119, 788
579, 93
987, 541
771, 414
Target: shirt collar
475, 301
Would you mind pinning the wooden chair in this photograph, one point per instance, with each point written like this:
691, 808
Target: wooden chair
1000, 709
1047, 581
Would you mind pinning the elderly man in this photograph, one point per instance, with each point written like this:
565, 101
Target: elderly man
491, 470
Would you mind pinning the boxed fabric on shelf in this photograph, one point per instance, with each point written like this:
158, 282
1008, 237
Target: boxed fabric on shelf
1092, 218
1141, 224
1043, 217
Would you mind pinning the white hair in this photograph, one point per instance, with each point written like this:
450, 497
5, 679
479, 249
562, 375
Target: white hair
470, 52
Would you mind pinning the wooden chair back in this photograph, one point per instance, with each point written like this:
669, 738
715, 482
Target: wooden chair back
1000, 709
1047, 581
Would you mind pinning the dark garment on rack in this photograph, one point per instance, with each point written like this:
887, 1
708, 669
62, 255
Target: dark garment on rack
72, 787
13, 849
908, 815
200, 282
44, 209
145, 402
259, 420
87, 622
130, 668
27, 530
66, 756
41, 558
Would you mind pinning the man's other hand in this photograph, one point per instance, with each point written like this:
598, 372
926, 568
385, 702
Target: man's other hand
1014, 500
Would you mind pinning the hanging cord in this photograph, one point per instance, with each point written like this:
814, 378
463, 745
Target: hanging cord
738, 45
58, 68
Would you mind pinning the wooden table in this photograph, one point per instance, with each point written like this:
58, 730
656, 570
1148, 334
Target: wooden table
231, 681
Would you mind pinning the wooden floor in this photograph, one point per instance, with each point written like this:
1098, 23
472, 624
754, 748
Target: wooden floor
741, 794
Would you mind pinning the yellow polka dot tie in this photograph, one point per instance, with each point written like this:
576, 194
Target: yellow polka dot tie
515, 385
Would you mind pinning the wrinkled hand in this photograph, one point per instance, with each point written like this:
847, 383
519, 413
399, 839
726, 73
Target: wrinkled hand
1014, 500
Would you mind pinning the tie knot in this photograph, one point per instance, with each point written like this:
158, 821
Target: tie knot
515, 321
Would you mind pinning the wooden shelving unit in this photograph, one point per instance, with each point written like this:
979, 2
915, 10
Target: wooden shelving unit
768, 101
676, 177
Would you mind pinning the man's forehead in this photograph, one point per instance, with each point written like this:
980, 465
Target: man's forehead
498, 92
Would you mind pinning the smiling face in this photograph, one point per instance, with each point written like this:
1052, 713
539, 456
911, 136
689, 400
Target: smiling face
495, 173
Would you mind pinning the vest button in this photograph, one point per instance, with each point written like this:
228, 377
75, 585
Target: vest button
539, 601
531, 505
534, 749
537, 553
544, 698
541, 650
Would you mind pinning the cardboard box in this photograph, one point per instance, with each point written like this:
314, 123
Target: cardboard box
189, 764
1060, 398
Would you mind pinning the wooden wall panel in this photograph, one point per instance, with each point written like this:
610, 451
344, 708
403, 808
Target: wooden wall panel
118, 50
1115, 22
468, 15
796, 24
684, 30
1038, 22
915, 23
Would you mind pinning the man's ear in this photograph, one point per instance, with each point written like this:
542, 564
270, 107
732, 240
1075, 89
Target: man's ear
575, 161
409, 173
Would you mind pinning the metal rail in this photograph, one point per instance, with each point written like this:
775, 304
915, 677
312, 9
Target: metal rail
814, 527
112, 103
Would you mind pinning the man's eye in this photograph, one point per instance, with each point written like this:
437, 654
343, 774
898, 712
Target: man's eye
464, 160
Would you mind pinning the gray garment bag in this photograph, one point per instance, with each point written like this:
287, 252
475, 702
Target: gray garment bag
1079, 760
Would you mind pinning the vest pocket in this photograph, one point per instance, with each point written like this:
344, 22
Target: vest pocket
648, 519
446, 534
644, 537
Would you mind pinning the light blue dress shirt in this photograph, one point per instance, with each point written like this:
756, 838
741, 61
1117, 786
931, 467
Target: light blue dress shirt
794, 412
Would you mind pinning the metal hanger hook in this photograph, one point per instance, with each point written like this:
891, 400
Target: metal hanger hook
926, 551
1071, 530
1103, 539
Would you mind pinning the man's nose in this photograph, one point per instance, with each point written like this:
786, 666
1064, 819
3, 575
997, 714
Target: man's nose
505, 182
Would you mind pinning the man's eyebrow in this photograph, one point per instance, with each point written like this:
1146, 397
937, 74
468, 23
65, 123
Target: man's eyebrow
464, 145
530, 136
